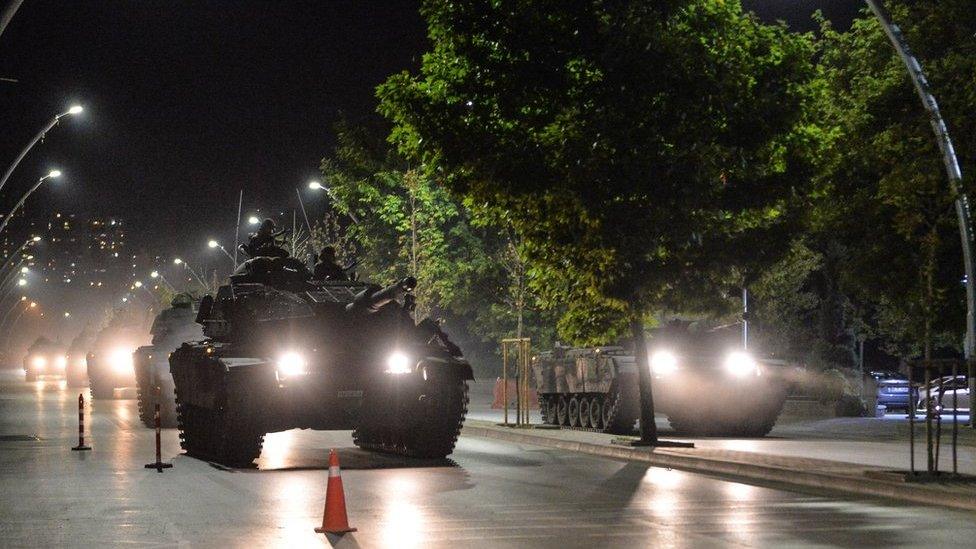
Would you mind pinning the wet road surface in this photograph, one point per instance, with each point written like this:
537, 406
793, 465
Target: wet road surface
489, 494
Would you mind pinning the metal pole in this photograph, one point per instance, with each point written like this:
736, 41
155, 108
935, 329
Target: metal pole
912, 402
305, 215
23, 153
20, 203
745, 319
237, 232
8, 13
952, 170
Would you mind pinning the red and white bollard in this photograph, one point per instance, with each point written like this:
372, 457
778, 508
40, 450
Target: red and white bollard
81, 424
159, 465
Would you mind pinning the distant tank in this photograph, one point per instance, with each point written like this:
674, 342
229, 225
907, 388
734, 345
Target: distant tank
110, 358
44, 358
284, 352
76, 371
588, 388
154, 383
703, 382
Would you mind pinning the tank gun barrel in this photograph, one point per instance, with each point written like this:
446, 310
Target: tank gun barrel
370, 301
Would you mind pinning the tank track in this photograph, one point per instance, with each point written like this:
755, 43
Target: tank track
419, 428
618, 420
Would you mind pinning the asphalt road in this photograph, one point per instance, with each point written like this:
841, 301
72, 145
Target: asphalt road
488, 495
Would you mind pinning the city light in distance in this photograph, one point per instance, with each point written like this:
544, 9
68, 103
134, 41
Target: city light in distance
178, 261
22, 282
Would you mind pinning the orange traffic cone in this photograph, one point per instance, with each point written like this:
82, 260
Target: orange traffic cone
334, 519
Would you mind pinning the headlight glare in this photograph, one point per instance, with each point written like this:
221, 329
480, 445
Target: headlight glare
292, 364
121, 361
663, 362
741, 364
61, 362
398, 363
38, 362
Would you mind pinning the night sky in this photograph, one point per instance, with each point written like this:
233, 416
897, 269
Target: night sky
189, 102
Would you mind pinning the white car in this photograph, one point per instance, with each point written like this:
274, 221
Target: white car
955, 391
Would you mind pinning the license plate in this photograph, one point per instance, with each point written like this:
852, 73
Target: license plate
350, 394
897, 389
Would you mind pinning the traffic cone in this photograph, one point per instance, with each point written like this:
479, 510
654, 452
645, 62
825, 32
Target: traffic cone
334, 519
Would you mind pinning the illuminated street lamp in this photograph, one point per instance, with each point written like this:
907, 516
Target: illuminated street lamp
22, 282
157, 274
137, 284
74, 109
52, 174
253, 220
318, 186
178, 261
214, 244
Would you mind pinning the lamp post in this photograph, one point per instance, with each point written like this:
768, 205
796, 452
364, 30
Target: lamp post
318, 186
30, 240
214, 244
20, 203
953, 172
75, 109
186, 266
159, 275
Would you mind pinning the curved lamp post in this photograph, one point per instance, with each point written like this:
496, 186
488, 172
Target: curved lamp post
75, 109
953, 171
159, 275
214, 244
317, 186
17, 206
186, 265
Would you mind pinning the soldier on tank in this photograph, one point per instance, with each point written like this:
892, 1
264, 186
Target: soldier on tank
327, 268
264, 242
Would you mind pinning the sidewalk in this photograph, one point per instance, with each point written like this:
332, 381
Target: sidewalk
853, 456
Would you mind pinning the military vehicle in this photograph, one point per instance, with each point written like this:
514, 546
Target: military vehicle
154, 383
76, 371
283, 352
588, 389
44, 357
702, 380
110, 358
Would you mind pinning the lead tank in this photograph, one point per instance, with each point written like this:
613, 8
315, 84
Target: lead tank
154, 383
284, 352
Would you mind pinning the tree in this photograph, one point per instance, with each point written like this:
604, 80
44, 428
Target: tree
645, 151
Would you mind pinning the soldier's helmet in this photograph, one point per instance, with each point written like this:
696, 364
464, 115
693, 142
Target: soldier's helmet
182, 299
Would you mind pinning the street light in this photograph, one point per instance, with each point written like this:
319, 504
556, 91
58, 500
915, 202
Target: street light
318, 186
22, 282
137, 284
186, 266
20, 203
214, 244
253, 220
157, 274
73, 110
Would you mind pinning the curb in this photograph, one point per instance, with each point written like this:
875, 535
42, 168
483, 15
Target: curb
846, 484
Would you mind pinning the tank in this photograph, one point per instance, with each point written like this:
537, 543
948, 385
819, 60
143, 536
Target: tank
154, 383
283, 352
44, 358
76, 371
588, 388
708, 385
703, 382
110, 357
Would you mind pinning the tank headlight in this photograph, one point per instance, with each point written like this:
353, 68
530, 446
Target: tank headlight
398, 363
741, 364
61, 362
291, 364
38, 362
121, 361
663, 363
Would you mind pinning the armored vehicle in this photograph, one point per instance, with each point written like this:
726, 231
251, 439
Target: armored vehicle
44, 358
154, 383
283, 351
110, 358
703, 381
590, 389
76, 370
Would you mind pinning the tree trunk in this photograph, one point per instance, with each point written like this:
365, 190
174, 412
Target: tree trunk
648, 429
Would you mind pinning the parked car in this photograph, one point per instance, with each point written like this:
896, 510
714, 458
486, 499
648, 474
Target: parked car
953, 392
894, 390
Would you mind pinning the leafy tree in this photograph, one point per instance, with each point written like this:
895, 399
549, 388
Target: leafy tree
645, 151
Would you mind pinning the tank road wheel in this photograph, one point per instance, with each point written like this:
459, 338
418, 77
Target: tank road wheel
596, 412
145, 392
573, 410
30, 375
544, 409
223, 434
100, 388
584, 411
167, 402
562, 411
415, 420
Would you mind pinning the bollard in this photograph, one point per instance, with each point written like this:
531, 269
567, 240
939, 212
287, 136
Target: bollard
81, 424
159, 465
